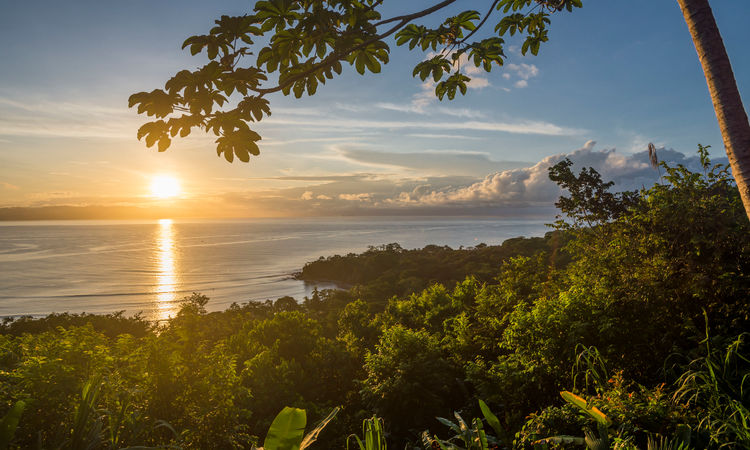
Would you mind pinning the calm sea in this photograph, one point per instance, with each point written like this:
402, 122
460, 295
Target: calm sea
106, 266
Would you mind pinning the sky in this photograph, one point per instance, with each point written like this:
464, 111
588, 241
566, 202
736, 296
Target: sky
613, 77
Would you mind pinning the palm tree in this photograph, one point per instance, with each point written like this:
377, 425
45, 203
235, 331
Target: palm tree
733, 122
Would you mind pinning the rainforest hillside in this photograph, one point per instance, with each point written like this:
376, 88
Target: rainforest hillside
639, 316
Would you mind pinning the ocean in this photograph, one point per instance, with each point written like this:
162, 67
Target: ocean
149, 266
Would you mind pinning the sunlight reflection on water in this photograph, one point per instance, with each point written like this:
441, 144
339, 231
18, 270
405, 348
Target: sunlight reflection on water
166, 278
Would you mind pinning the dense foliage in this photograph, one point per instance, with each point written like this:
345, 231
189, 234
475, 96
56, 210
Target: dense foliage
639, 312
387, 270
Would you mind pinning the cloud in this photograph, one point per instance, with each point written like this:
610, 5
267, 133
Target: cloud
478, 83
277, 142
424, 101
522, 72
519, 127
65, 119
443, 136
477, 74
531, 185
364, 197
321, 178
481, 186
521, 192
425, 106
430, 162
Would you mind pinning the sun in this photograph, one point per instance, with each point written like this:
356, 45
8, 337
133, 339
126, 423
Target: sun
163, 186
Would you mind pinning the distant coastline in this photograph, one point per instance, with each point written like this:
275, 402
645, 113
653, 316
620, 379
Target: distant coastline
83, 213
98, 212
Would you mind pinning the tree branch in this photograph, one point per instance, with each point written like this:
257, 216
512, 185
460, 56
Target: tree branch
487, 16
330, 59
417, 15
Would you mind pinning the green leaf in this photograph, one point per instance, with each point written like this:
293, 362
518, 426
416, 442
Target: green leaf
153, 131
287, 430
9, 423
491, 419
600, 417
359, 64
594, 412
155, 103
574, 400
299, 88
164, 143
449, 424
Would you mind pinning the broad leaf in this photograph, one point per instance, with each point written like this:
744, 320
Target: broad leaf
9, 423
287, 430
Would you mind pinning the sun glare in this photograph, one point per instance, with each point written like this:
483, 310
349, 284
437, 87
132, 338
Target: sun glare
163, 186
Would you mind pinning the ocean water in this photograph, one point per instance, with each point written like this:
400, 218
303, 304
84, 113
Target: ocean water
148, 267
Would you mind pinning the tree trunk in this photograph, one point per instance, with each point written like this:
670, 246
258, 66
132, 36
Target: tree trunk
735, 128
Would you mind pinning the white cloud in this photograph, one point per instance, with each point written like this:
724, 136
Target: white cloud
444, 136
435, 162
65, 119
426, 105
521, 127
356, 197
478, 83
423, 102
532, 186
519, 192
522, 72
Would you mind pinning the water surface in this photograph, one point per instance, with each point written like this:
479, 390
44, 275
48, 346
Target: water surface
106, 266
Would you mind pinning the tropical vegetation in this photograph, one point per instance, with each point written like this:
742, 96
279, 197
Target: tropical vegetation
624, 328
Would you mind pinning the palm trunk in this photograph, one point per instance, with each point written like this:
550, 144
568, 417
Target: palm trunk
735, 128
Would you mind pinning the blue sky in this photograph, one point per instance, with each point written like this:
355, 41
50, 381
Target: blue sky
621, 74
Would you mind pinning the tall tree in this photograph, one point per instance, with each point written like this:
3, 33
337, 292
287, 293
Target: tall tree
308, 40
733, 122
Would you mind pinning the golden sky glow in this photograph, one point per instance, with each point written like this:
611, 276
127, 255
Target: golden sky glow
377, 145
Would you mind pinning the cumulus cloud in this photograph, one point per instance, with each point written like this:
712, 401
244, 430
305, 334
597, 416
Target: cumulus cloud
532, 186
521, 72
363, 197
519, 192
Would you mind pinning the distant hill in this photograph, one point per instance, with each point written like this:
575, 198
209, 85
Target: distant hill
85, 213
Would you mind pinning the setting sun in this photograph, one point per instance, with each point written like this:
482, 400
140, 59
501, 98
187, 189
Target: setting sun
163, 186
